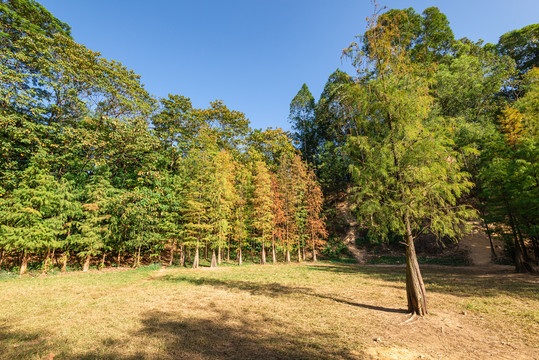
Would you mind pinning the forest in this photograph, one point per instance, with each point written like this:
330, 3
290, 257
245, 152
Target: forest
430, 133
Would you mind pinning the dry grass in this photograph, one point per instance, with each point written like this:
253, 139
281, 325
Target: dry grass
326, 311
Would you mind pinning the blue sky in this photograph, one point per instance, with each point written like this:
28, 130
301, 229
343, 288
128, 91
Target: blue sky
253, 54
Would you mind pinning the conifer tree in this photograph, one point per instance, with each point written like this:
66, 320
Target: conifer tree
262, 205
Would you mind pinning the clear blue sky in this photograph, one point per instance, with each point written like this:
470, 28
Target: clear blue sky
253, 54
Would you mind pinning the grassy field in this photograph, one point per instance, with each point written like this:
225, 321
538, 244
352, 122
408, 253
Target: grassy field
302, 311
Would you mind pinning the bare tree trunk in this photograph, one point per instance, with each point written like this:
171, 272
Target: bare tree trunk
182, 255
103, 260
86, 265
137, 260
287, 256
263, 257
195, 259
53, 257
415, 288
492, 252
24, 263
228, 251
46, 262
218, 255
65, 256
273, 254
303, 252
2, 257
299, 254
213, 259
172, 252
119, 258
240, 260
314, 252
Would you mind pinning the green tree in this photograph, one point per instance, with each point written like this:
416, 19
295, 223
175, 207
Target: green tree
406, 176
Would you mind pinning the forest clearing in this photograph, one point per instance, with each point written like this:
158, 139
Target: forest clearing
139, 223
299, 311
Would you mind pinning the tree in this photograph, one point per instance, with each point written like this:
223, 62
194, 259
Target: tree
406, 176
262, 205
316, 227
302, 117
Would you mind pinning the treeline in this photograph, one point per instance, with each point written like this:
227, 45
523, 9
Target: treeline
431, 132
94, 169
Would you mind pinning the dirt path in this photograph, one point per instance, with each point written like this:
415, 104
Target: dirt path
343, 209
478, 246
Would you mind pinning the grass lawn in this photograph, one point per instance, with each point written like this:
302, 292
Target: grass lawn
301, 311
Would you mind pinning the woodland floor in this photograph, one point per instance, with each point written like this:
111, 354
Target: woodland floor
298, 311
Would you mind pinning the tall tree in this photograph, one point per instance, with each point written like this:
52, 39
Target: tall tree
406, 176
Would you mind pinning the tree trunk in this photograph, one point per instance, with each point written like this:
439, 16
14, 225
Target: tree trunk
303, 252
182, 255
218, 255
206, 252
299, 254
415, 288
64, 261
213, 259
137, 259
535, 248
172, 253
195, 259
53, 257
521, 265
492, 252
228, 251
24, 263
86, 265
273, 254
287, 256
2, 257
240, 260
103, 260
263, 257
119, 258
314, 252
46, 262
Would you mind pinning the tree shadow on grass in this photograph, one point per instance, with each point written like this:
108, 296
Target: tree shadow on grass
465, 281
221, 336
271, 290
23, 345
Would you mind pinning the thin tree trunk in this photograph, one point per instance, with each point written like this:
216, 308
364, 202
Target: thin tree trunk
218, 255
119, 258
2, 258
53, 257
252, 251
287, 256
521, 266
240, 260
314, 252
86, 265
228, 251
24, 263
263, 257
65, 256
195, 259
182, 255
492, 252
137, 260
299, 254
206, 252
535, 248
103, 260
415, 288
273, 254
213, 259
172, 252
46, 262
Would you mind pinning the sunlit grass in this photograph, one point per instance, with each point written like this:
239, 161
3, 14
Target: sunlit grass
307, 311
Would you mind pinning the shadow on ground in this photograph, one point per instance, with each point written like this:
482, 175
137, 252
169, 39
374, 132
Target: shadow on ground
222, 337
463, 281
271, 290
